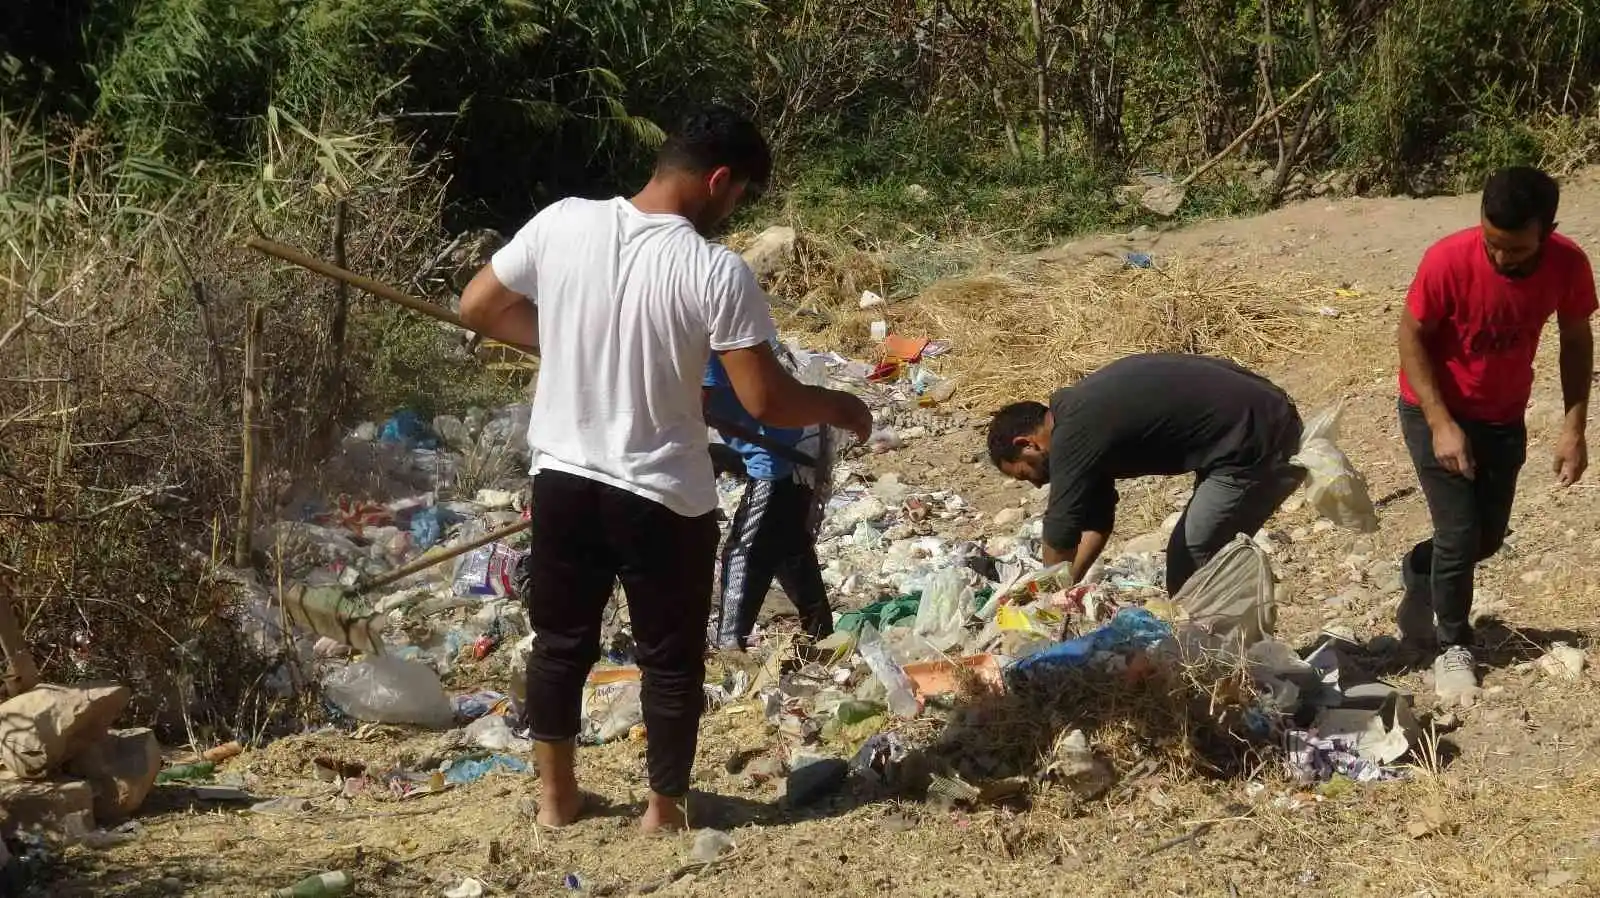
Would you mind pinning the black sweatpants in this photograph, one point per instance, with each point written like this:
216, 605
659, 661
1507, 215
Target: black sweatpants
1470, 517
771, 537
586, 535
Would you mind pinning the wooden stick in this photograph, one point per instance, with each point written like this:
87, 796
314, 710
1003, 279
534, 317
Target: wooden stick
428, 561
1271, 115
251, 388
384, 291
360, 282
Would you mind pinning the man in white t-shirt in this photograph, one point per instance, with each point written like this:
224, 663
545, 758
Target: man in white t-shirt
626, 300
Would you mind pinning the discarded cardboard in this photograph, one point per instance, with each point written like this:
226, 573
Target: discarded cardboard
1383, 736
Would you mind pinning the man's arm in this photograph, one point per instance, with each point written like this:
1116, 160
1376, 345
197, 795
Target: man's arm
500, 313
1577, 372
772, 396
1090, 545
1449, 442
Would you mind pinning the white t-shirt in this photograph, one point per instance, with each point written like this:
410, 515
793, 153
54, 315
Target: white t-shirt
630, 306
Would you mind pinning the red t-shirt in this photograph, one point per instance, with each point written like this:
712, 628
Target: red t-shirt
1489, 324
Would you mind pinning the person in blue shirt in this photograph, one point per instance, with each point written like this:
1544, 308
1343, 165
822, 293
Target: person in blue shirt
773, 533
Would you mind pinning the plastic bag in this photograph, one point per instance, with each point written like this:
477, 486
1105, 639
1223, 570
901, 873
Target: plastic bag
946, 605
1231, 602
488, 571
611, 711
1333, 486
902, 697
390, 690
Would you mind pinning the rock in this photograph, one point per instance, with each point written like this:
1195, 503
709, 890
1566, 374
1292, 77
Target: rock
815, 780
764, 769
1128, 194
710, 845
1299, 535
42, 729
771, 251
1147, 544
1080, 769
1323, 525
1559, 879
61, 806
1009, 517
1171, 522
1562, 662
916, 193
121, 768
1164, 200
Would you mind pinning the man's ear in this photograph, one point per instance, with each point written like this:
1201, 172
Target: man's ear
1023, 444
720, 179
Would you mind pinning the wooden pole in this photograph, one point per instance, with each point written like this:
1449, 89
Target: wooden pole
251, 389
384, 291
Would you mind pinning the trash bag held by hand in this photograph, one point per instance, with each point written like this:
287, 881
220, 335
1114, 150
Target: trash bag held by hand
1333, 486
390, 690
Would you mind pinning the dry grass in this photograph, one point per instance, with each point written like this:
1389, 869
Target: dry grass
1021, 333
121, 322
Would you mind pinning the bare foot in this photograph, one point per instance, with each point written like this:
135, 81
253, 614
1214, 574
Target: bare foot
664, 815
560, 805
560, 801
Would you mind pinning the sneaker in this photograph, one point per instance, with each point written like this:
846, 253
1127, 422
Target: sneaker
1414, 617
1455, 677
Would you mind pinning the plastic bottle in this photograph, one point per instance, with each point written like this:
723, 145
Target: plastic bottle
851, 711
323, 885
201, 770
902, 697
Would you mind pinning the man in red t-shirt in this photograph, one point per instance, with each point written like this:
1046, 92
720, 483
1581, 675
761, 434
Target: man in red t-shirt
1467, 342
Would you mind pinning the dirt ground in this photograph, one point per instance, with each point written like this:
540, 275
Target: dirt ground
1506, 799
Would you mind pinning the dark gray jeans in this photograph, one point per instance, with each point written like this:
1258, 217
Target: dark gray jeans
1228, 502
1470, 517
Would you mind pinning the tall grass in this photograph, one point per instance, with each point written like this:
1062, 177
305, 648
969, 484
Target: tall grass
121, 322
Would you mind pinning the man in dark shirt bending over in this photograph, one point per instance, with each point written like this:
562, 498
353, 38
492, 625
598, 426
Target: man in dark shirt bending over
1154, 414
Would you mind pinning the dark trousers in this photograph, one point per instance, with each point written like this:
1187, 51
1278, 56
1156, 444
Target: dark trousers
586, 535
771, 537
1231, 501
1470, 517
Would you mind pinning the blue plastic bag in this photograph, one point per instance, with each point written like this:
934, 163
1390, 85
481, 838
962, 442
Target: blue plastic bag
427, 525
1130, 629
407, 427
471, 770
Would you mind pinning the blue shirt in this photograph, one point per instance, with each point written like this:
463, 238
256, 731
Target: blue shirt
724, 404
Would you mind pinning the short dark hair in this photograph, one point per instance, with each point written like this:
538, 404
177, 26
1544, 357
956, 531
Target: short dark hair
1519, 196
1019, 419
715, 136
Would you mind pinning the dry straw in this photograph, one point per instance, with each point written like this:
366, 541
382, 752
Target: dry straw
1022, 333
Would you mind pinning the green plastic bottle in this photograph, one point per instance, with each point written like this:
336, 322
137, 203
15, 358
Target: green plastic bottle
200, 770
323, 885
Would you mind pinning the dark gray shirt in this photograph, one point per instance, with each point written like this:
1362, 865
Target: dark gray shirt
1156, 414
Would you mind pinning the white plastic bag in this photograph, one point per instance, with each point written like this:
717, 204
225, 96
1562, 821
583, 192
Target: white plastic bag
390, 690
611, 711
946, 605
1333, 486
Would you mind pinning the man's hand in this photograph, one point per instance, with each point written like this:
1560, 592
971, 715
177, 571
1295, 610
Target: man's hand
1451, 449
851, 414
1572, 457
